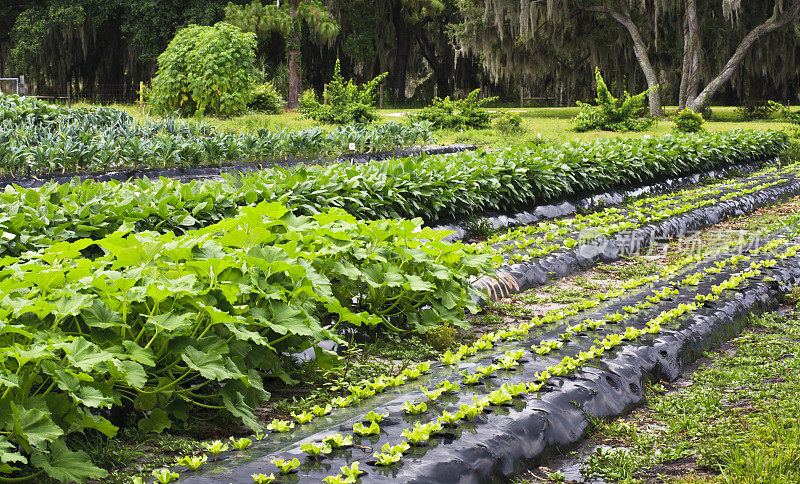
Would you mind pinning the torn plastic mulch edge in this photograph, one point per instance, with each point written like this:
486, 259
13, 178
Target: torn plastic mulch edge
498, 445
516, 278
595, 200
206, 172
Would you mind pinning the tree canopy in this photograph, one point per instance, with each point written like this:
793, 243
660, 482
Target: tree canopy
695, 51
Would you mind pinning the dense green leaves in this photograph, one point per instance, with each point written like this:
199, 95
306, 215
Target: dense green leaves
38, 138
345, 101
612, 114
457, 114
430, 187
207, 70
163, 324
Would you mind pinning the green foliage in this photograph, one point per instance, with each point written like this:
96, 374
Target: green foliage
688, 121
412, 187
784, 113
37, 138
441, 338
464, 113
752, 109
207, 70
162, 324
266, 99
508, 123
611, 114
264, 19
346, 101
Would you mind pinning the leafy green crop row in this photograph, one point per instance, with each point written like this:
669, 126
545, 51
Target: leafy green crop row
164, 325
39, 138
428, 187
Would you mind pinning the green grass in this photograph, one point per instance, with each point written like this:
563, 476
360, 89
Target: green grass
551, 124
736, 422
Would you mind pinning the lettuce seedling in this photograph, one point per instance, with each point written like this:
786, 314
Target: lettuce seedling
471, 378
375, 417
486, 370
412, 409
319, 411
303, 417
263, 478
423, 367
360, 429
535, 386
384, 459
338, 479
338, 440
448, 418
412, 373
396, 381
165, 475
286, 466
241, 444
193, 462
432, 395
214, 448
416, 435
469, 412
278, 425
342, 402
353, 471
499, 397
450, 358
514, 389
448, 387
400, 448
316, 450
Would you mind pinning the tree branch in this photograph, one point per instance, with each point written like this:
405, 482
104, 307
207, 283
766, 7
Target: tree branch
775, 22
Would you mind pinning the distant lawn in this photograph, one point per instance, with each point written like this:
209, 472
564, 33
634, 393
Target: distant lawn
549, 123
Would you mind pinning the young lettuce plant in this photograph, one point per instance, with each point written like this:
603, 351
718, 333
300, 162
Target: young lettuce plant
280, 426
241, 444
164, 475
193, 462
338, 479
387, 459
448, 419
303, 417
412, 409
360, 429
448, 387
400, 448
319, 411
353, 471
471, 378
286, 466
338, 440
263, 478
372, 416
315, 450
215, 448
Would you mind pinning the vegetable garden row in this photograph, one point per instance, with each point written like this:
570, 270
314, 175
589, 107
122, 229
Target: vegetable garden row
38, 138
148, 302
491, 406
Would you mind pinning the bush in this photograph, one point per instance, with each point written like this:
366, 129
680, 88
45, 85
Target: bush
206, 70
460, 114
753, 109
611, 114
784, 114
347, 102
688, 121
441, 337
508, 123
266, 99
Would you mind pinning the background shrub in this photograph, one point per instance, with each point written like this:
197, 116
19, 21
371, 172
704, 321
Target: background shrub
266, 99
347, 102
612, 114
207, 70
688, 121
464, 113
508, 123
756, 109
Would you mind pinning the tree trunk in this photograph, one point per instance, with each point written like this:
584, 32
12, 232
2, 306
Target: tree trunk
772, 24
623, 16
442, 69
403, 37
692, 62
293, 97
